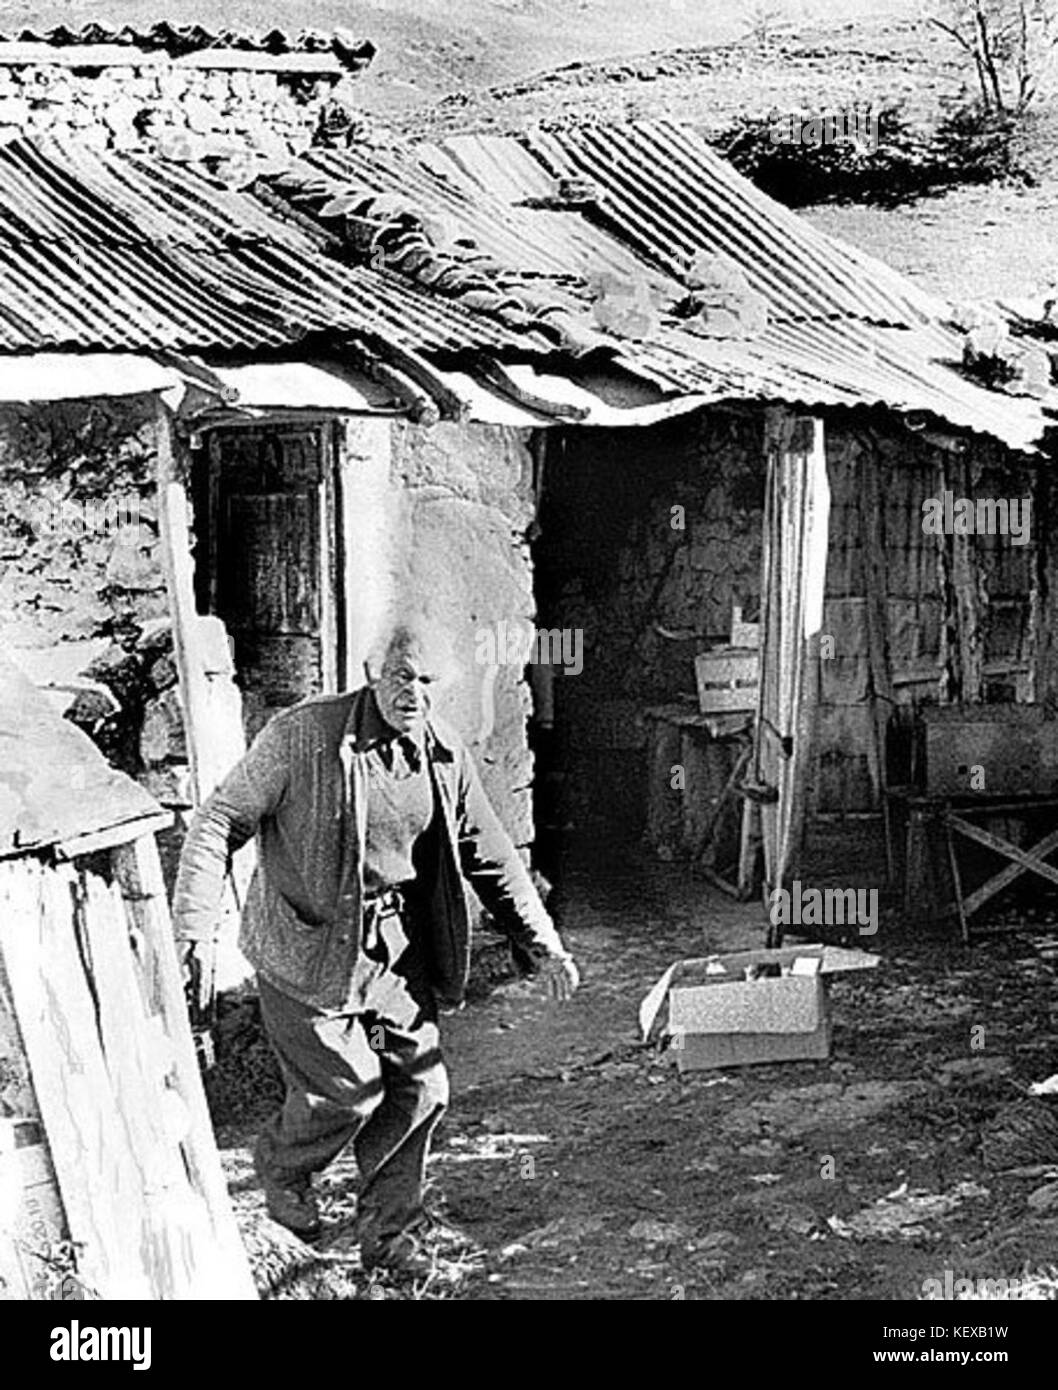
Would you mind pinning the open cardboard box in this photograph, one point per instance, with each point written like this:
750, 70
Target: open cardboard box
719, 1018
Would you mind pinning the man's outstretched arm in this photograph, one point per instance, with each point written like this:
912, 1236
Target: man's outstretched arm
498, 875
223, 824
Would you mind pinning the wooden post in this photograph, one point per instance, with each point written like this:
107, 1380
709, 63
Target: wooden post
212, 706
969, 599
1045, 519
795, 541
876, 609
174, 526
367, 522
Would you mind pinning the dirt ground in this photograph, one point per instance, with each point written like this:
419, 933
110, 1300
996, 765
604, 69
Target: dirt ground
589, 1169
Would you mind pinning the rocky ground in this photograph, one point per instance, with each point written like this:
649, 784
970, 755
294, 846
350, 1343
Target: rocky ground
587, 1167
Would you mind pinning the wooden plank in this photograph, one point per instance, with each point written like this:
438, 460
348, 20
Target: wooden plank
80, 845
368, 523
1024, 860
139, 873
100, 1185
268, 579
876, 581
329, 593
787, 711
174, 1239
174, 526
727, 680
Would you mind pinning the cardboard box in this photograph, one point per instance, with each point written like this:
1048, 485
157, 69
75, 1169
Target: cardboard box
717, 1017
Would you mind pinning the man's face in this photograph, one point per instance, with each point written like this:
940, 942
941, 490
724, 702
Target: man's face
404, 686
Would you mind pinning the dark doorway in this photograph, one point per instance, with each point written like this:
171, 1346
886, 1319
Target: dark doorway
647, 552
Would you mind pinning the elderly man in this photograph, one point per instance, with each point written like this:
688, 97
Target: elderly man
368, 814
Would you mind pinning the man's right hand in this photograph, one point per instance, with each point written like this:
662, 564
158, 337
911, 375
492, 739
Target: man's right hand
198, 962
562, 976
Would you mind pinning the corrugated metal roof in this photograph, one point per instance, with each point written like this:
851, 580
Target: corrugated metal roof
455, 255
665, 197
128, 252
669, 195
842, 328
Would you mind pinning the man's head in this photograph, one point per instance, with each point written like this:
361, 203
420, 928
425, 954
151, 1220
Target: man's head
404, 672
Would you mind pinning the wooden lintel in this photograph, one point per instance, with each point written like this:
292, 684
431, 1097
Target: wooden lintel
254, 418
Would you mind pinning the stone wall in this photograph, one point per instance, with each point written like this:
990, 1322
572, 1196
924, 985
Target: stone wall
463, 503
182, 113
82, 590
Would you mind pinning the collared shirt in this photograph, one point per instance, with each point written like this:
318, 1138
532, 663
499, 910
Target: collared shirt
400, 802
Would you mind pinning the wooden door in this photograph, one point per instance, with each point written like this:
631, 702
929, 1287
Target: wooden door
272, 561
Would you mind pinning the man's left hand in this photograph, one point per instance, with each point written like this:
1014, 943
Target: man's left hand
562, 976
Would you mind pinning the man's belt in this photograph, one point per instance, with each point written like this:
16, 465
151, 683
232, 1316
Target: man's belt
385, 904
375, 909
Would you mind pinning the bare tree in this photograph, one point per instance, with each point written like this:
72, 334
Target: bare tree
765, 21
1010, 42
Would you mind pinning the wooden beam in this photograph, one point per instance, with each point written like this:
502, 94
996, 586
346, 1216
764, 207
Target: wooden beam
1024, 860
788, 692
327, 529
174, 525
368, 523
876, 607
139, 874
79, 845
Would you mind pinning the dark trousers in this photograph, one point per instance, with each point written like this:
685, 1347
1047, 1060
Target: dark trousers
375, 1077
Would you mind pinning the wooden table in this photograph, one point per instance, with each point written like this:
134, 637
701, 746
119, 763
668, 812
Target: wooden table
687, 822
957, 818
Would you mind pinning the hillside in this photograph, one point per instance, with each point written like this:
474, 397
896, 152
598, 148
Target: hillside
429, 48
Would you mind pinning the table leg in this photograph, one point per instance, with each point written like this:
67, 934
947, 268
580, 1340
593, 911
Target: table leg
953, 860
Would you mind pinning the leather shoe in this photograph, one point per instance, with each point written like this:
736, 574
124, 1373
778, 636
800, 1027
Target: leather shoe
442, 1236
402, 1256
293, 1206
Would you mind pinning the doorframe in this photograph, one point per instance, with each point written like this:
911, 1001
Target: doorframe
332, 618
